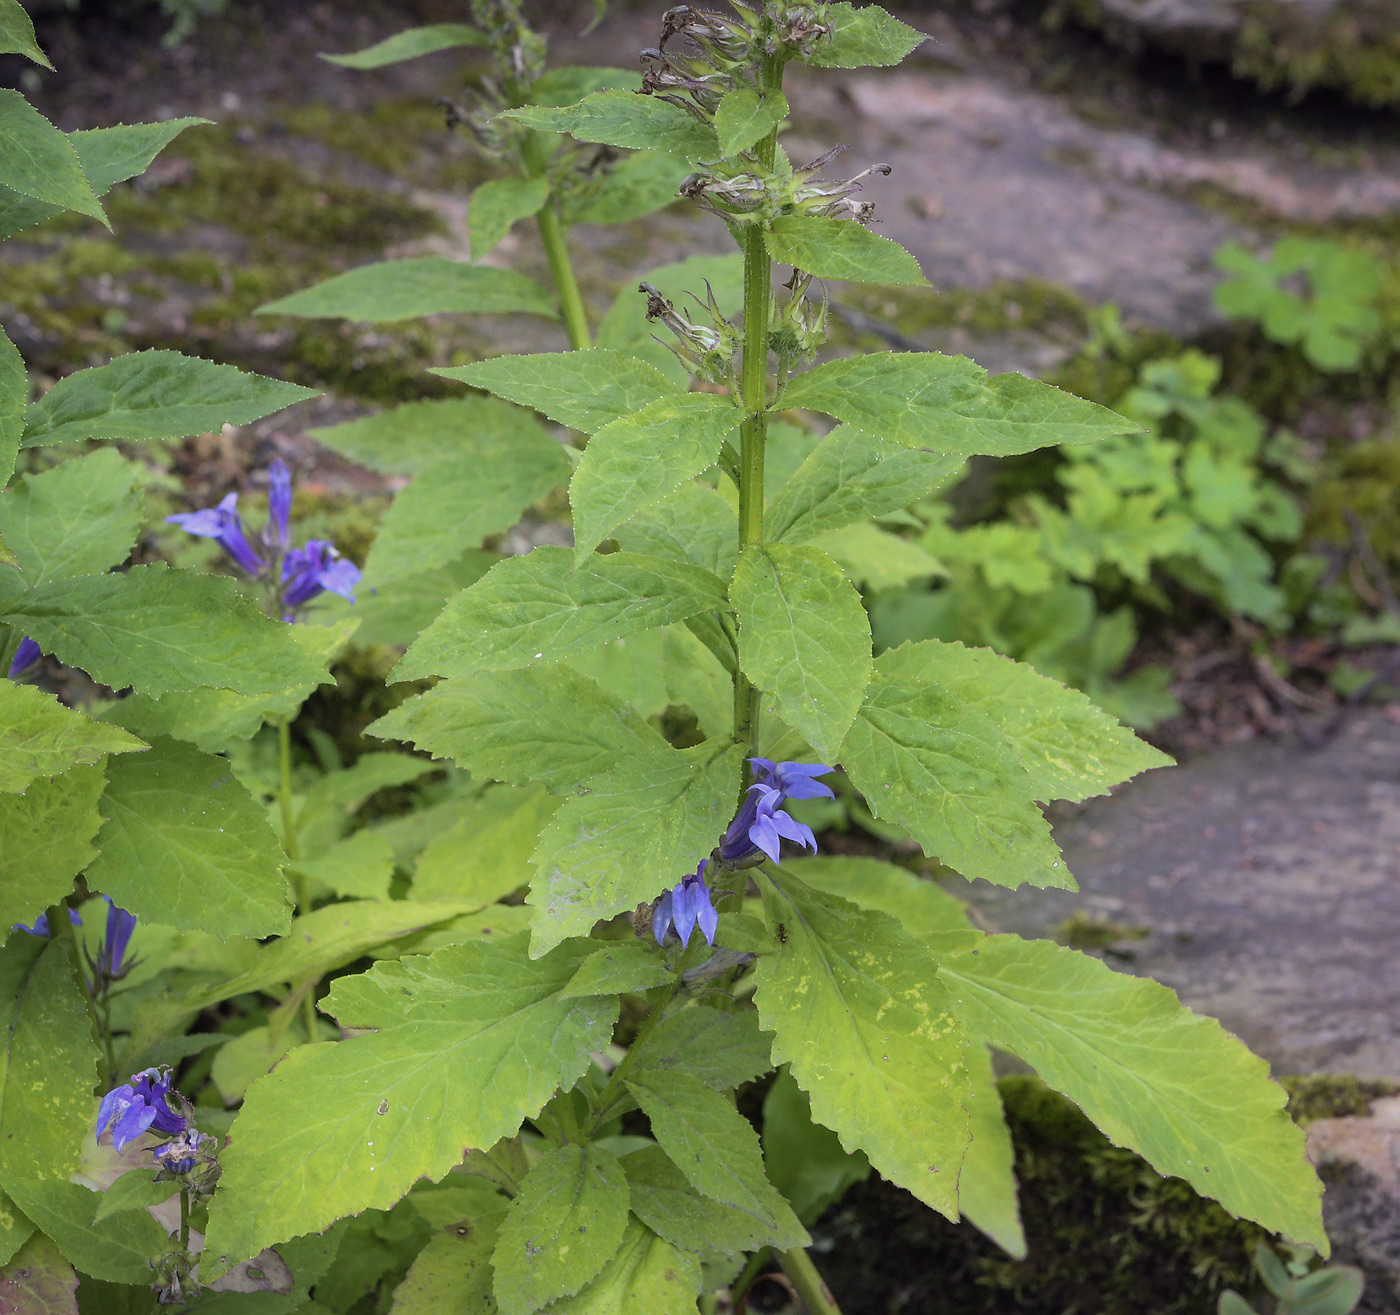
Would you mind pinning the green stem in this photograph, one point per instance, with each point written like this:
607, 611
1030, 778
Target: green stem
561, 269
750, 1271
816, 1297
184, 1219
293, 851
61, 929
613, 1090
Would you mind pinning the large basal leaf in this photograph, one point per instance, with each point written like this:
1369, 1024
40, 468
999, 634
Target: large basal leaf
539, 608
949, 404
152, 395
161, 630
941, 769
41, 737
694, 524
45, 841
395, 290
851, 476
17, 33
584, 390
804, 639
410, 44
647, 1276
841, 249
1167, 1083
623, 118
545, 724
361, 866
38, 161
80, 518
14, 394
497, 204
805, 1161
486, 855
470, 1041
628, 835
39, 1281
987, 1189
716, 1148
185, 845
637, 460
1071, 748
454, 503
743, 117
869, 1031
565, 1224
863, 36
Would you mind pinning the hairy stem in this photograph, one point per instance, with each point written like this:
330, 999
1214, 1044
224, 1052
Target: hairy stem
561, 269
612, 1092
184, 1219
816, 1297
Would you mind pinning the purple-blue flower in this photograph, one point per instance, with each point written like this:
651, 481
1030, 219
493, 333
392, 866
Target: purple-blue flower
112, 953
138, 1105
41, 923
180, 1154
792, 780
279, 500
686, 906
26, 655
226, 525
316, 568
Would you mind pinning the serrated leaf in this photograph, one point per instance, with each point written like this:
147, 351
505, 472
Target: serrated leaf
722, 1050
154, 395
943, 771
17, 33
743, 117
570, 83
452, 1274
162, 630
631, 188
629, 834
498, 204
696, 679
360, 866
486, 854
987, 1189
45, 841
804, 638
874, 559
1167, 1083
39, 161
851, 476
410, 44
1071, 748
715, 1147
623, 118
471, 1040
14, 395
41, 737
647, 1276
396, 616
864, 36
949, 404
328, 806
625, 966
538, 608
857, 1010
545, 724
80, 518
694, 524
454, 503
804, 1160
393, 290
584, 390
634, 462
185, 845
840, 249
565, 1224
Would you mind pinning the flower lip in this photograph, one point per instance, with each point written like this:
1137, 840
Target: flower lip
224, 524
686, 906
138, 1105
315, 568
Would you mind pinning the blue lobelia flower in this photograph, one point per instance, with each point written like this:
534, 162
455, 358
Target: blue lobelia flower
26, 655
279, 502
142, 1103
792, 780
112, 953
226, 525
313, 569
41, 923
181, 1153
686, 906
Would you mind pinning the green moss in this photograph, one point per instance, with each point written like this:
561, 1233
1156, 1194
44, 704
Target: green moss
1083, 931
1333, 1096
1005, 306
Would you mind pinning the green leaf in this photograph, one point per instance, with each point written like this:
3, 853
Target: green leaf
715, 1147
743, 117
1071, 747
566, 1223
396, 616
864, 37
162, 630
451, 1275
987, 1188
851, 476
804, 1160
453, 504
697, 680
722, 1050
80, 518
39, 737
537, 608
623, 118
38, 161
875, 559
570, 83
184, 844
647, 1276
631, 188
859, 1013
14, 394
329, 805
545, 724
151, 395
584, 390
804, 638
840, 249
410, 44
485, 855
942, 770
1172, 1086
134, 1190
45, 841
361, 866
470, 1041
637, 460
694, 524
631, 966
17, 33
948, 403
39, 1281
630, 833
15, 1229
498, 204
394, 290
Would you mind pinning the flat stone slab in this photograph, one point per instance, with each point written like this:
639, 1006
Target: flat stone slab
1268, 877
